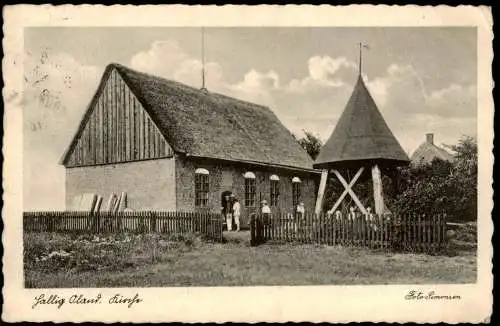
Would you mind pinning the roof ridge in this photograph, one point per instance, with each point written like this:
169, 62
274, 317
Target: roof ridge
428, 147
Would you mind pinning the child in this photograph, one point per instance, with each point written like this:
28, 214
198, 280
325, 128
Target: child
352, 214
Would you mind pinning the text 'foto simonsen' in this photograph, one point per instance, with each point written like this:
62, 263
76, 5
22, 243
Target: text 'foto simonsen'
59, 301
419, 295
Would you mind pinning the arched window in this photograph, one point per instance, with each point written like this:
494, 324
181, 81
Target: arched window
201, 187
274, 195
249, 175
296, 191
249, 189
201, 171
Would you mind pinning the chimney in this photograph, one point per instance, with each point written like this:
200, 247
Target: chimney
430, 138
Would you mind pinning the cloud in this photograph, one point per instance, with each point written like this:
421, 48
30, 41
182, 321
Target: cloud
163, 58
455, 100
402, 90
378, 90
411, 110
169, 60
189, 72
254, 80
324, 71
256, 87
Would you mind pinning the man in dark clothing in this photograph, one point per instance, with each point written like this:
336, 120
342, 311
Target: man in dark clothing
226, 210
231, 210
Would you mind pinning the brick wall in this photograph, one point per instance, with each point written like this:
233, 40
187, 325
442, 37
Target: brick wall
230, 177
148, 184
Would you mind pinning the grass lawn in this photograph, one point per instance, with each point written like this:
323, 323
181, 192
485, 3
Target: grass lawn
235, 263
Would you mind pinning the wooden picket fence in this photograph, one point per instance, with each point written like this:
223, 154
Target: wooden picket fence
207, 224
406, 233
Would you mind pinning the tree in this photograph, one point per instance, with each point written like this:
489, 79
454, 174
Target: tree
464, 177
311, 144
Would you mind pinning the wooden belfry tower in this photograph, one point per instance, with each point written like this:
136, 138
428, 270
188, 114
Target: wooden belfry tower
361, 140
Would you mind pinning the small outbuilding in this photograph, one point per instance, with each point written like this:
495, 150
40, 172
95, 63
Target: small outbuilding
428, 151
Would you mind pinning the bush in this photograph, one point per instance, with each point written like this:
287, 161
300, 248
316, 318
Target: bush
50, 252
426, 189
442, 187
465, 233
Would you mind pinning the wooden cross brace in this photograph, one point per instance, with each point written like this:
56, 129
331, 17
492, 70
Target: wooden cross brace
348, 190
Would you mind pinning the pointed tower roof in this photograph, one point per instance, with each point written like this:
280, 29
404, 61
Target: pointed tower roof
360, 134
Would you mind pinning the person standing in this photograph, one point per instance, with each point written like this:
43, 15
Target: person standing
299, 215
266, 212
371, 218
236, 213
369, 214
227, 211
300, 211
231, 203
352, 214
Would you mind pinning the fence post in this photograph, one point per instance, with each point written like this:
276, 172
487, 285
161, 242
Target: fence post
444, 240
280, 230
332, 230
402, 230
212, 234
98, 222
220, 218
424, 240
396, 235
50, 222
252, 230
386, 230
327, 233
153, 221
203, 217
322, 228
259, 229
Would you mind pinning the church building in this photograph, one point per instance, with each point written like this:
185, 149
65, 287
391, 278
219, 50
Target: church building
172, 147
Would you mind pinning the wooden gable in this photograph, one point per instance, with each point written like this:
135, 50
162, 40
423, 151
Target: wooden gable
116, 129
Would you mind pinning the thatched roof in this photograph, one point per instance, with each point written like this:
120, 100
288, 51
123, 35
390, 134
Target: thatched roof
428, 151
360, 134
204, 124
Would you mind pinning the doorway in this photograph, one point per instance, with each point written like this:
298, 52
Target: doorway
225, 203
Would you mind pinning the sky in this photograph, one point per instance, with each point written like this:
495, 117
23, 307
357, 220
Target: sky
423, 80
